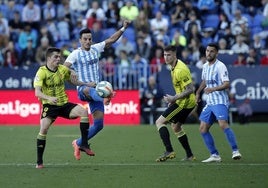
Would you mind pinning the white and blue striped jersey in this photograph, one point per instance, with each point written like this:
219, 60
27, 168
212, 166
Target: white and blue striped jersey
214, 75
86, 63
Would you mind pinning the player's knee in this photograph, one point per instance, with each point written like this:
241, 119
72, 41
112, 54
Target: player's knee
203, 128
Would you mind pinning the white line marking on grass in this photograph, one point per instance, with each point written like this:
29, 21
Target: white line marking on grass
137, 164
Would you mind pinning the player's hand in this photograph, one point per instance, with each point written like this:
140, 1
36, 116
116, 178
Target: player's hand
126, 23
53, 100
169, 98
208, 90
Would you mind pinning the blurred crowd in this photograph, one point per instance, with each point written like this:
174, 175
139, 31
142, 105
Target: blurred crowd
28, 27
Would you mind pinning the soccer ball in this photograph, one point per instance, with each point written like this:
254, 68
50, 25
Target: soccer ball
104, 89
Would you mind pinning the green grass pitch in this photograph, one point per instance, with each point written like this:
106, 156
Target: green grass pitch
125, 158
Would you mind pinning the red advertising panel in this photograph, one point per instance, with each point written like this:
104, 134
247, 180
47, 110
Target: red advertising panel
21, 107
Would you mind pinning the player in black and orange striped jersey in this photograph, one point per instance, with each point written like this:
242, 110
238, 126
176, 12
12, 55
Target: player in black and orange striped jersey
49, 84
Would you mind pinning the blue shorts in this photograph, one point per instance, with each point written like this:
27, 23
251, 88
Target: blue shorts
211, 113
93, 105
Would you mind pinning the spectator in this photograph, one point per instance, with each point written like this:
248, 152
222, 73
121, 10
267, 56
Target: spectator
96, 32
52, 28
245, 112
108, 69
123, 70
76, 29
237, 21
49, 10
240, 46
125, 45
31, 14
192, 20
196, 49
15, 27
157, 60
157, 23
112, 15
139, 72
264, 59
142, 48
9, 9
129, 11
11, 56
64, 11
207, 36
229, 37
142, 23
186, 56
40, 55
27, 33
4, 29
223, 24
179, 41
78, 9
199, 64
63, 30
194, 33
257, 43
241, 60
28, 55
222, 46
152, 98
146, 7
98, 12
178, 16
45, 33
206, 6
253, 57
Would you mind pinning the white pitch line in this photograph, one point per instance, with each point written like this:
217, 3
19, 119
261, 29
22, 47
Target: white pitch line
137, 164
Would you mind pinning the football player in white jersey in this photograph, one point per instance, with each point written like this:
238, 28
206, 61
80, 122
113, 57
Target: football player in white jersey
85, 62
215, 82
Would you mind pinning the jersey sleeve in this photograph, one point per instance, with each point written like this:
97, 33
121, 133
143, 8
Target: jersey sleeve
39, 77
99, 46
223, 73
72, 57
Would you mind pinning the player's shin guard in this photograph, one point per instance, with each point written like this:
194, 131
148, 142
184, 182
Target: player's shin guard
164, 134
183, 139
84, 126
41, 144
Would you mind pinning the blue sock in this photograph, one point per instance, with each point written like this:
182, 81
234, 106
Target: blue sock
208, 140
93, 130
231, 138
94, 95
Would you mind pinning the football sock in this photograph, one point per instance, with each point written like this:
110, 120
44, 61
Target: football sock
231, 138
84, 126
209, 142
41, 144
164, 134
94, 95
93, 130
183, 139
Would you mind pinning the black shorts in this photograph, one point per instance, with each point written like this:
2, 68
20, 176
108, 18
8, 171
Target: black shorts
54, 111
175, 114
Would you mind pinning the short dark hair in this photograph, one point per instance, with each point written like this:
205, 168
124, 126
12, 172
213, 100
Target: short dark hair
82, 31
50, 50
214, 45
170, 48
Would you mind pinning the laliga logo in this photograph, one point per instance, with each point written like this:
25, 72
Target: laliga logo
122, 108
21, 109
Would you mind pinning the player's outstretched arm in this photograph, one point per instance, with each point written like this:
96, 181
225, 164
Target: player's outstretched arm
112, 39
